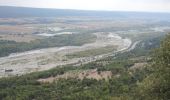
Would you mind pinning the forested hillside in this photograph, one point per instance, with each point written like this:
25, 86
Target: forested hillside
129, 81
156, 85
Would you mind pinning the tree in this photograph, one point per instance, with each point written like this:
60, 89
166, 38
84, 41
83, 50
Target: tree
157, 85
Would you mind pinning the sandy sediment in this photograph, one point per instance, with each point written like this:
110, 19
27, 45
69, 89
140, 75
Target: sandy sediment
44, 59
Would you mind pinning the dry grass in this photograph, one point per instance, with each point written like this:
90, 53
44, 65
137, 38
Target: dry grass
92, 52
90, 74
15, 29
138, 66
19, 37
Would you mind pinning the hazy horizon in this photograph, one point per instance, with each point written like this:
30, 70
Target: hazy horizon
102, 5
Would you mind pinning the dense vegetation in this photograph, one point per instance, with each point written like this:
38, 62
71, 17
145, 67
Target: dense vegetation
7, 47
27, 87
156, 86
149, 83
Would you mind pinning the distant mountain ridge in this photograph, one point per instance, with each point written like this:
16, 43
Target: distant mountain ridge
14, 12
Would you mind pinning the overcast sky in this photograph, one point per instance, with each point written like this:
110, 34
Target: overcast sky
120, 5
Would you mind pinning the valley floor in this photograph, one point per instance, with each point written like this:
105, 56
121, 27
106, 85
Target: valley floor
44, 59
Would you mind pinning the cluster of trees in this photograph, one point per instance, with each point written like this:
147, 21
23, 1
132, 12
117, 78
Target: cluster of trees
7, 47
156, 86
149, 83
27, 87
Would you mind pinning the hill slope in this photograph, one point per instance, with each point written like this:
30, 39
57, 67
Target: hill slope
13, 12
134, 77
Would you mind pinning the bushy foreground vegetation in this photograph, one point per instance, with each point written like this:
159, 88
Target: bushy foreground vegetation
7, 47
27, 87
148, 83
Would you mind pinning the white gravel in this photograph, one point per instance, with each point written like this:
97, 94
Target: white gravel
44, 59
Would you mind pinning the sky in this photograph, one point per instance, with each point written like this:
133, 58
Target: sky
111, 5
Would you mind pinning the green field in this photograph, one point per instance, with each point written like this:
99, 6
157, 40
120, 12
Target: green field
92, 52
